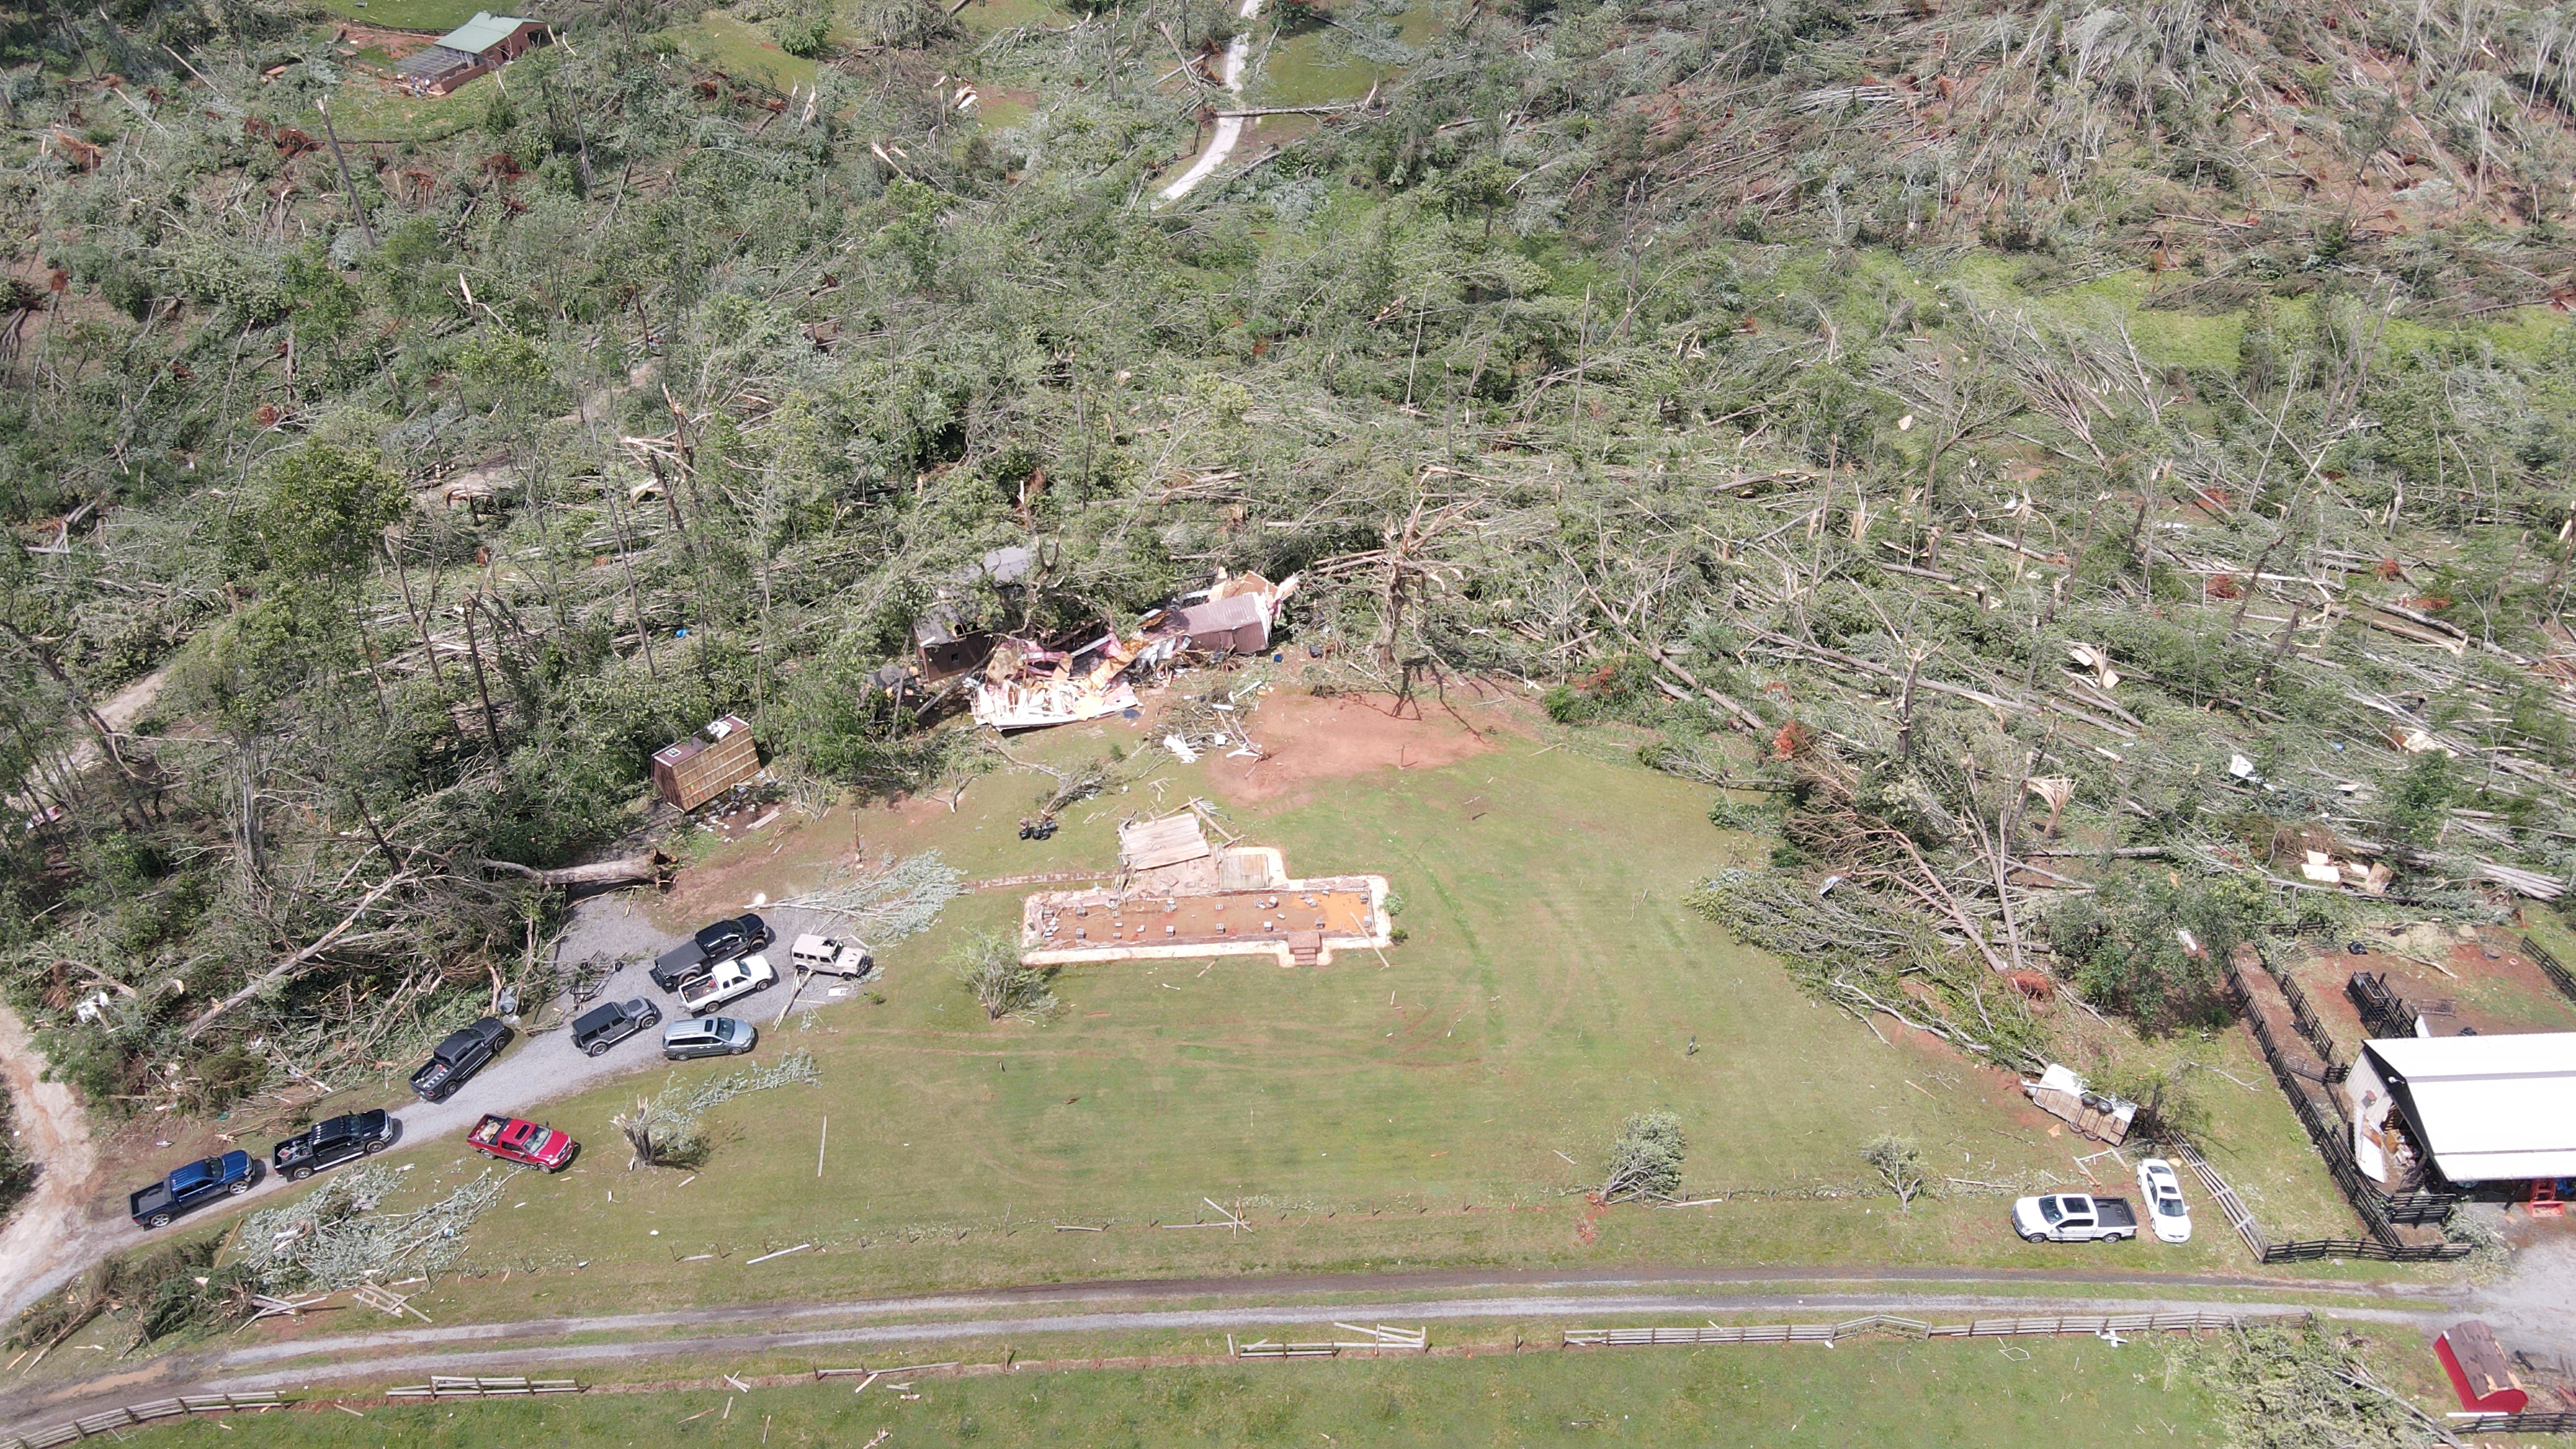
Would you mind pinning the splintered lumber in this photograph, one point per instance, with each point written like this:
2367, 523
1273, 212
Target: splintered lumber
1168, 841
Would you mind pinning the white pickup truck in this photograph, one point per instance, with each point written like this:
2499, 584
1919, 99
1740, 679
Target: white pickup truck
2073, 1217
727, 981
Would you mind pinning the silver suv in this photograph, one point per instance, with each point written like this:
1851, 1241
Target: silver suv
708, 1036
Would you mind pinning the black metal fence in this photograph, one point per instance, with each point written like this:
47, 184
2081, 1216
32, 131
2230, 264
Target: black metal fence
2310, 1250
2384, 1013
2551, 967
2305, 1019
2380, 1212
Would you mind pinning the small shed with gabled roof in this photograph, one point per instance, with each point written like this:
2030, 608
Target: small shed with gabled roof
483, 43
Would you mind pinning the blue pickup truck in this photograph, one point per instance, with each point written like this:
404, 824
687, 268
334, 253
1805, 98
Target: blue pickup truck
192, 1187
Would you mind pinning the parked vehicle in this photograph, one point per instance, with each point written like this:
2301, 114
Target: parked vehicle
516, 1139
832, 956
2162, 1189
328, 1144
728, 981
458, 1058
2073, 1217
192, 1187
717, 941
708, 1036
602, 1027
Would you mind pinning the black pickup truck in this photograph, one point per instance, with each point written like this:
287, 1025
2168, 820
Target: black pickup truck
193, 1186
458, 1058
720, 941
330, 1143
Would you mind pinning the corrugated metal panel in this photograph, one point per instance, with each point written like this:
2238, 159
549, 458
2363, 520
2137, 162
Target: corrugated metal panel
482, 32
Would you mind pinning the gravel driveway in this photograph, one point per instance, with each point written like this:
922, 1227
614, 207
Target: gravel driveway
538, 1067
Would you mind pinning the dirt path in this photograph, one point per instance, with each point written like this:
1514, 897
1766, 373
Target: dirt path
72, 1220
53, 1226
1126, 1308
1229, 129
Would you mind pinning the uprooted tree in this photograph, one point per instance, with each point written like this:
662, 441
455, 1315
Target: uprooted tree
1899, 1164
989, 966
1645, 1159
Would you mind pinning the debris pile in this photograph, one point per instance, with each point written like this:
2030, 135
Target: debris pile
885, 905
1027, 684
2060, 1093
334, 1237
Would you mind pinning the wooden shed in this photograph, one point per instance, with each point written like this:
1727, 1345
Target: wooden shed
2479, 1370
706, 764
483, 43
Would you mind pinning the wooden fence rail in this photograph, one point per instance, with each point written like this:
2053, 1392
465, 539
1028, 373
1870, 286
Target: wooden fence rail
2239, 1216
442, 1386
2087, 1324
2559, 1422
115, 1421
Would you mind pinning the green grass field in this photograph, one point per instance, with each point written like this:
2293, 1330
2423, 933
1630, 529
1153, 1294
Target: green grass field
432, 15
1913, 1394
1367, 1115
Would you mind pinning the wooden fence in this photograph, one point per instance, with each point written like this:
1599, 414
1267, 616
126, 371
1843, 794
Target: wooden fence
2091, 1325
442, 1386
2239, 1216
2556, 1422
1365, 1336
2384, 1013
2380, 1212
2551, 967
115, 1421
2304, 1018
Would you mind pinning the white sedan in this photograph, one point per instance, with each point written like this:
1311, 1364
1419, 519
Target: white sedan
2163, 1192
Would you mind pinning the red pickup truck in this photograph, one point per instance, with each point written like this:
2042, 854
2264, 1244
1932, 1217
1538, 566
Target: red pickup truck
515, 1139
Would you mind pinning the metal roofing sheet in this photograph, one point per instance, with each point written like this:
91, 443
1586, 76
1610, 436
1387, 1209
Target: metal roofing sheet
482, 32
2491, 1108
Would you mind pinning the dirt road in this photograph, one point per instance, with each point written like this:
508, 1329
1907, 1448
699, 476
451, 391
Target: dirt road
1229, 129
70, 1222
51, 1226
1458, 1296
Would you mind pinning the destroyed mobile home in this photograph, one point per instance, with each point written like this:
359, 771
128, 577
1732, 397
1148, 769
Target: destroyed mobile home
1026, 685
1176, 896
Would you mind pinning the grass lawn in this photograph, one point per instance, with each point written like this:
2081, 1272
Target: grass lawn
1410, 1113
741, 49
984, 17
1917, 1394
369, 110
440, 16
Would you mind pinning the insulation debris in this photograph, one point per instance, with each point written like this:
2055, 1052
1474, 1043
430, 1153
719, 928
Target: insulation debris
1027, 685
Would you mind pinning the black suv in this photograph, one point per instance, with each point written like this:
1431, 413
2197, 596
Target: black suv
458, 1058
718, 942
328, 1144
602, 1027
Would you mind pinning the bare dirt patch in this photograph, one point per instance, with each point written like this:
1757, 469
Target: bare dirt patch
1308, 738
54, 1132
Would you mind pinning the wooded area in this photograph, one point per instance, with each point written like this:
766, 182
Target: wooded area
1995, 436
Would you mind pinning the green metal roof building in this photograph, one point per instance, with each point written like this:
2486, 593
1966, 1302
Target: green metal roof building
478, 45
